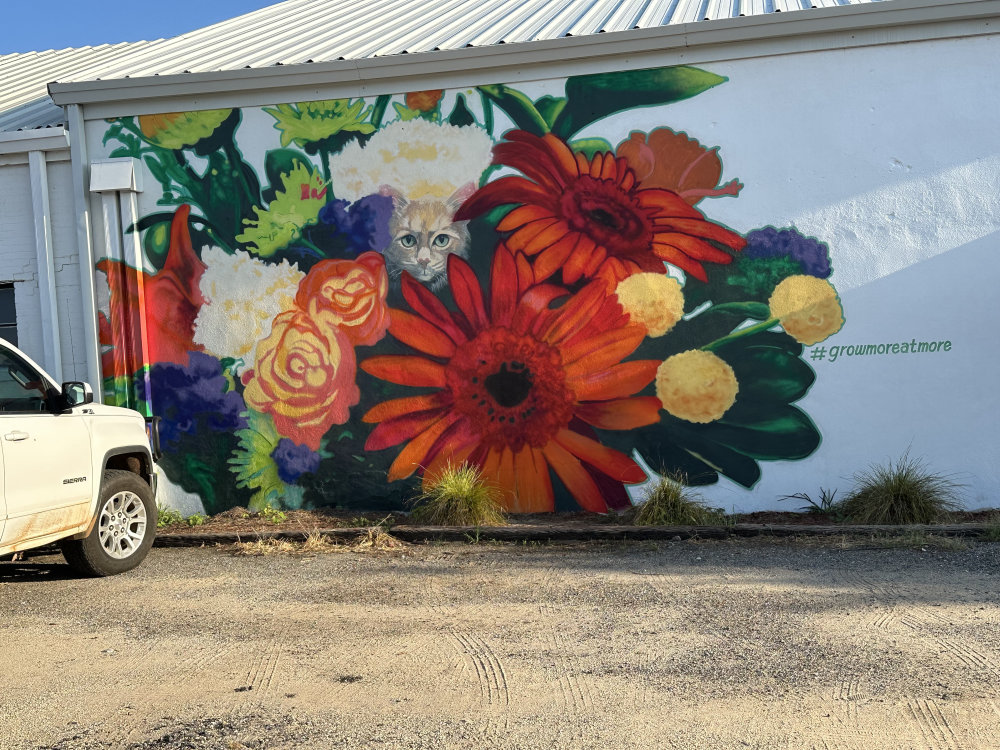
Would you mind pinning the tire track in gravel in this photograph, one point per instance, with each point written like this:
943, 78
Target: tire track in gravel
933, 725
260, 677
921, 617
575, 689
490, 674
494, 690
661, 583
902, 604
851, 733
968, 655
202, 656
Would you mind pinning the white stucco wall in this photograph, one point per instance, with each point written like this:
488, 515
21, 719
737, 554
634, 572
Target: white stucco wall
888, 154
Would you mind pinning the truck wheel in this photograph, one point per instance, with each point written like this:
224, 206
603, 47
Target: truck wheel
123, 531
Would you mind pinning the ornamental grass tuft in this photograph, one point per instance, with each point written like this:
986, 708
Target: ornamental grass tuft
459, 496
670, 503
901, 492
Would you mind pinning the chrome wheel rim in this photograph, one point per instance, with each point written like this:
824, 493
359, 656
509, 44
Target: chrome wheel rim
122, 524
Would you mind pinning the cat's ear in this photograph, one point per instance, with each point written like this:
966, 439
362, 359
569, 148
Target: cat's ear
460, 196
398, 199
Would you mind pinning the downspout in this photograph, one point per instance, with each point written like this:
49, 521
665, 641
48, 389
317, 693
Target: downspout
81, 201
41, 213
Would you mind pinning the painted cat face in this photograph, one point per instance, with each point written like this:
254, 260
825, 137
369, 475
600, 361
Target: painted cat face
424, 234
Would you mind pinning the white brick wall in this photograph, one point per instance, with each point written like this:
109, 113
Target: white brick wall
64, 251
19, 263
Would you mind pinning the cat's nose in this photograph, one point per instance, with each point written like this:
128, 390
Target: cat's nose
423, 261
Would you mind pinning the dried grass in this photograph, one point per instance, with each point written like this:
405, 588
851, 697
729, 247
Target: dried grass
377, 539
314, 544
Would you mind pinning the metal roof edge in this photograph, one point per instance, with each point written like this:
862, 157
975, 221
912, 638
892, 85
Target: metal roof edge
43, 139
797, 31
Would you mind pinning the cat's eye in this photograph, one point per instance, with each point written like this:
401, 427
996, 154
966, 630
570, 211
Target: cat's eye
442, 240
408, 240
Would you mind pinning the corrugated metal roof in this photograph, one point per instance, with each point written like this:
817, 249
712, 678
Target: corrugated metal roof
24, 100
301, 31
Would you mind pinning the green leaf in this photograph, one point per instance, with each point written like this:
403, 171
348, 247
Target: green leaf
461, 115
549, 107
518, 107
252, 464
279, 162
156, 243
404, 113
741, 469
590, 146
767, 431
295, 205
752, 310
593, 97
770, 375
114, 131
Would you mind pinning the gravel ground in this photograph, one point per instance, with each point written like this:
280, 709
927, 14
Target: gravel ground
730, 644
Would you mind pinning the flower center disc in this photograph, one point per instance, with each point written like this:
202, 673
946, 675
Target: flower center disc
607, 214
511, 387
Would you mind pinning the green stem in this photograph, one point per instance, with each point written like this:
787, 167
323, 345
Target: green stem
187, 173
748, 331
324, 155
311, 245
487, 113
235, 160
381, 103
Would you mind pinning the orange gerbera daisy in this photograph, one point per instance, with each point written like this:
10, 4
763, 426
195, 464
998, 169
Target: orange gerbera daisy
510, 376
589, 217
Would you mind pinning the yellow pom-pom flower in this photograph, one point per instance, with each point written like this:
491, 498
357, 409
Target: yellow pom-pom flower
653, 299
181, 129
808, 308
696, 386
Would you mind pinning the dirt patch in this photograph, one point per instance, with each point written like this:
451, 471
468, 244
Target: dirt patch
690, 645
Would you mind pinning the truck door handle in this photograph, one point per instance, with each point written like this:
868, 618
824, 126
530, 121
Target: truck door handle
16, 435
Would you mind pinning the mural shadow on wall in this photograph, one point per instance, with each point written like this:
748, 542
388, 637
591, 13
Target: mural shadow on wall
934, 404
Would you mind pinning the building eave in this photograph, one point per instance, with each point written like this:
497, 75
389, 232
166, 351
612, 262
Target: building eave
753, 36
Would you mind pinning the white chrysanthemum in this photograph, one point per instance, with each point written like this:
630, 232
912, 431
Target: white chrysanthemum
242, 296
419, 159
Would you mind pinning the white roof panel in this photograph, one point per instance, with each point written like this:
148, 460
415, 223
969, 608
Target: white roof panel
300, 31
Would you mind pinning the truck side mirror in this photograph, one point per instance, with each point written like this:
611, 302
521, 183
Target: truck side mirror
76, 393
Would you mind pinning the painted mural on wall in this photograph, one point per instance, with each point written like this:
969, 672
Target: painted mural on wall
411, 281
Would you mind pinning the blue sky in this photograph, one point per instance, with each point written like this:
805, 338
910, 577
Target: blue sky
53, 24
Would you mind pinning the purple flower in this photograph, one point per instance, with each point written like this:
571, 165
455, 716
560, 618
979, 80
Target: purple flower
294, 460
811, 254
191, 399
364, 225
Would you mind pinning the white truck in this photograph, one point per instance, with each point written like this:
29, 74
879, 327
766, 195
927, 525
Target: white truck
73, 471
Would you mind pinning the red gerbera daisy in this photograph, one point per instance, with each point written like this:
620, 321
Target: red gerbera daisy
589, 217
511, 374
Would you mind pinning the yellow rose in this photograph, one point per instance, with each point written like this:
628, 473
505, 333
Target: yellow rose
303, 377
808, 308
181, 129
696, 386
653, 299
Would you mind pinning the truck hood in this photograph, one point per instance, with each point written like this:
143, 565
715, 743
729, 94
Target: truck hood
103, 410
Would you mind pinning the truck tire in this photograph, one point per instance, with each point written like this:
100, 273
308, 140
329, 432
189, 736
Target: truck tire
124, 529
